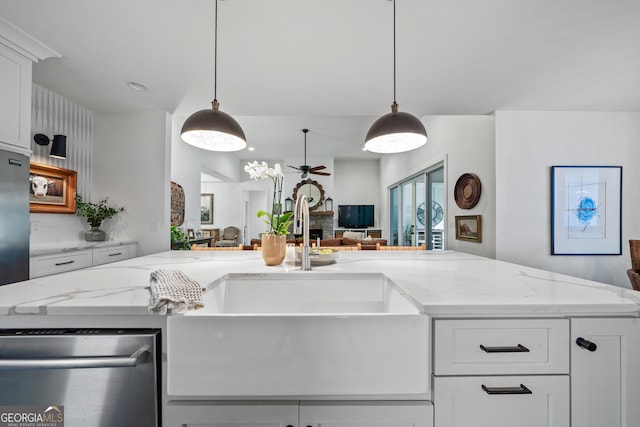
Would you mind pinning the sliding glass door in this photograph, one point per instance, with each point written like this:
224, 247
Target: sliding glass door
417, 210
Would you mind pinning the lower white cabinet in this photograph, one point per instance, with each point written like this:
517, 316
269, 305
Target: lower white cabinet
605, 372
113, 254
60, 262
502, 401
302, 414
44, 265
226, 414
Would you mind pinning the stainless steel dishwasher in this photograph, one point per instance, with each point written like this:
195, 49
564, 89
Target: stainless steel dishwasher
93, 377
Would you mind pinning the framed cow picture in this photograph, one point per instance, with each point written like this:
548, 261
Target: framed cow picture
51, 189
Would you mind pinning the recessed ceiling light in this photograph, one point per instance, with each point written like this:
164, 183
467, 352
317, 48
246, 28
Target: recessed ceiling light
137, 86
251, 149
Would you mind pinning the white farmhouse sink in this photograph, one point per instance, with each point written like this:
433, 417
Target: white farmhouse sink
300, 334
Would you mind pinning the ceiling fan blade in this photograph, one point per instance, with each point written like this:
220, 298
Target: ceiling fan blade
316, 168
294, 167
320, 173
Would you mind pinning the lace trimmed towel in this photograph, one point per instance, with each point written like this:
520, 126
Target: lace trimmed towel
172, 289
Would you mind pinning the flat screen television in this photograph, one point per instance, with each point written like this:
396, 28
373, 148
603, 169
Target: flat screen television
355, 216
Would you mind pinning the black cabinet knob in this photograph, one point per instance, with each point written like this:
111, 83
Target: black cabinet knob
591, 346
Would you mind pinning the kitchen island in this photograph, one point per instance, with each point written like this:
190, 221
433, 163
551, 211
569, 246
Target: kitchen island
481, 314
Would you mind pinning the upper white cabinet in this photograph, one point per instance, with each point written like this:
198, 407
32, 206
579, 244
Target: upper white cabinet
15, 102
605, 390
18, 51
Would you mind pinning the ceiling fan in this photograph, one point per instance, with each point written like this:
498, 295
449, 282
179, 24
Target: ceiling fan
306, 169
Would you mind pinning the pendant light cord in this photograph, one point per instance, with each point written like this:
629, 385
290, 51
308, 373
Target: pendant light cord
394, 51
215, 54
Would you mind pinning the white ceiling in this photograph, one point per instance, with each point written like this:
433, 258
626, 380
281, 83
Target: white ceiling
327, 65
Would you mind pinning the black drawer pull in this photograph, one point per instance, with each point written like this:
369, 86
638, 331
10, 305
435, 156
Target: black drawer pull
507, 390
517, 349
116, 254
591, 346
64, 263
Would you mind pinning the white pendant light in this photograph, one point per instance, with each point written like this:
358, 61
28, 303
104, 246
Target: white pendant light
395, 132
212, 129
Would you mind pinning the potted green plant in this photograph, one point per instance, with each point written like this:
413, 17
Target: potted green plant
95, 213
179, 239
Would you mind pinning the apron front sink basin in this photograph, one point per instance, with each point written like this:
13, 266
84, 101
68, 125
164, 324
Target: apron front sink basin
300, 334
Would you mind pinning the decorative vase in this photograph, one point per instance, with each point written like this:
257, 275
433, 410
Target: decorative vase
274, 248
94, 235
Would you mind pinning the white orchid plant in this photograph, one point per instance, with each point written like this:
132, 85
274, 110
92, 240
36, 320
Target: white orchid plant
277, 220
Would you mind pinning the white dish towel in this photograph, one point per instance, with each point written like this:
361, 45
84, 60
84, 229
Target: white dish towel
174, 290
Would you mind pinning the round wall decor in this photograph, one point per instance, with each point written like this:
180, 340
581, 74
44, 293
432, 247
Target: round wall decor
467, 191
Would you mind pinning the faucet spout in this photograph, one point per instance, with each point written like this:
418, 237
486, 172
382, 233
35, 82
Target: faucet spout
301, 225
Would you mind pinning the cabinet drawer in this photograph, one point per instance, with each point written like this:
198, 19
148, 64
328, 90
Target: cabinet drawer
502, 401
113, 254
504, 346
59, 263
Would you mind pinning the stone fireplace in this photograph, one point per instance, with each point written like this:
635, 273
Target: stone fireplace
321, 225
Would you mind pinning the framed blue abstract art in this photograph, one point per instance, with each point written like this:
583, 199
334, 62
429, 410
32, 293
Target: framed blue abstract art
586, 210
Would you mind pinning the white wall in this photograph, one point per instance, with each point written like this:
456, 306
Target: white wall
466, 144
53, 114
527, 145
131, 167
357, 182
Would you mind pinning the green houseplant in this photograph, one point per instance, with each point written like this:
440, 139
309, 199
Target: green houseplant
179, 238
95, 214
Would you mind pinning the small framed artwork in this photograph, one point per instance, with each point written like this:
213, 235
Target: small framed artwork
51, 189
191, 234
469, 228
206, 208
198, 234
586, 210
206, 233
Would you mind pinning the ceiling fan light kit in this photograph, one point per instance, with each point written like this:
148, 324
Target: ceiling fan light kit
212, 129
395, 132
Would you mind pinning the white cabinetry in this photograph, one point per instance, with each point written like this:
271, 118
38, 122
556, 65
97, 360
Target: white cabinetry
15, 102
366, 413
304, 414
236, 414
605, 385
18, 51
502, 401
62, 261
44, 265
113, 254
501, 372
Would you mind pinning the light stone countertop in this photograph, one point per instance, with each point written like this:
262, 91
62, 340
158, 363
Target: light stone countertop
444, 283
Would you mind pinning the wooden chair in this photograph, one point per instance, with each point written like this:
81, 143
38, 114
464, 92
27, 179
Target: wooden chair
634, 271
634, 246
634, 277
343, 248
357, 247
379, 247
218, 248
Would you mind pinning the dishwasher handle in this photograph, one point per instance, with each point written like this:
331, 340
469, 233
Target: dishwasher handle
77, 362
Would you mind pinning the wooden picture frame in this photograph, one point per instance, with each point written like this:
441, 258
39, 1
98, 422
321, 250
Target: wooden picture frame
191, 234
51, 189
469, 228
206, 208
